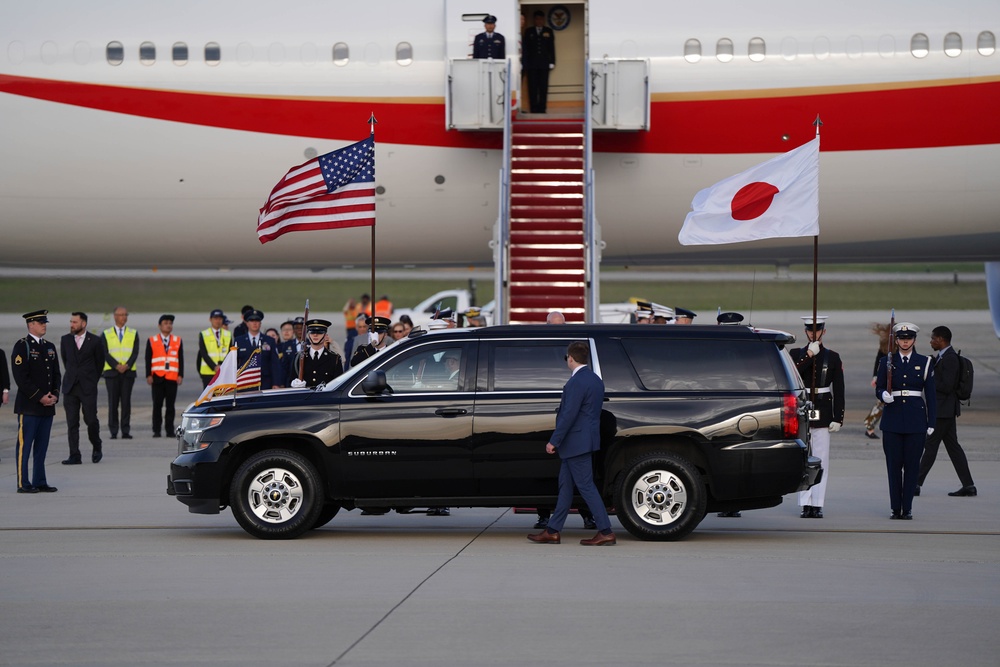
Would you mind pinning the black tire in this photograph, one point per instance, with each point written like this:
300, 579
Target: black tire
276, 495
326, 515
660, 497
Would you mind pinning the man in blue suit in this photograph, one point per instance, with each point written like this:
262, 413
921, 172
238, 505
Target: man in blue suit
272, 373
576, 438
910, 409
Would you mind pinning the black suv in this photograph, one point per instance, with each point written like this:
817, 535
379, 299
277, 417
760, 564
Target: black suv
696, 419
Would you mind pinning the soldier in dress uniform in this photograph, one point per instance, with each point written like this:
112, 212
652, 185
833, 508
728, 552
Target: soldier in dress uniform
643, 312
288, 349
910, 409
35, 366
820, 367
684, 316
729, 318
320, 364
662, 314
378, 339
490, 43
272, 373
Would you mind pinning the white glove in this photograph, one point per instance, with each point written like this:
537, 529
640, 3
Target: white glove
373, 338
835, 426
298, 384
930, 431
886, 397
552, 66
813, 348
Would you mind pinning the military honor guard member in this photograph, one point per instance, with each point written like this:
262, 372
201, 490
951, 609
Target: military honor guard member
271, 371
121, 352
538, 57
35, 366
910, 409
377, 337
83, 362
489, 43
822, 368
319, 363
684, 316
213, 346
164, 374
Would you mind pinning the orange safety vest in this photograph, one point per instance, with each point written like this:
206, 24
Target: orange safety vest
383, 308
165, 363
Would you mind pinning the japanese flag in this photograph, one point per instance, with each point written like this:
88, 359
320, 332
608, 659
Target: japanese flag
777, 198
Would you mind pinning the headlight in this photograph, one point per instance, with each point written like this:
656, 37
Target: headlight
192, 427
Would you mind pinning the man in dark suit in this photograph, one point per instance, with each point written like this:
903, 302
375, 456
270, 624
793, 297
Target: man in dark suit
946, 370
489, 44
576, 437
538, 57
35, 364
83, 359
910, 408
272, 374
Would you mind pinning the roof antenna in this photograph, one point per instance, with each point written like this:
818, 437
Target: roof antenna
753, 287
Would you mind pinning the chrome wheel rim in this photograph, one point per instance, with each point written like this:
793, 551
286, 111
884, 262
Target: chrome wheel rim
659, 497
275, 495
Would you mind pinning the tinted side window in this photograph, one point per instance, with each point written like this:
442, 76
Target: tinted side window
428, 369
529, 366
705, 365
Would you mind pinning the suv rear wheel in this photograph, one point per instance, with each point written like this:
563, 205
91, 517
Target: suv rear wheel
276, 494
660, 497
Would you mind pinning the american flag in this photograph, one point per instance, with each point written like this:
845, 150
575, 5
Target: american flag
331, 191
248, 377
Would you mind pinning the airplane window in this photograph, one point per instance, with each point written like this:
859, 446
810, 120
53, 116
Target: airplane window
213, 53
81, 53
821, 47
724, 50
115, 53
789, 48
147, 53
986, 43
953, 45
180, 53
692, 50
855, 47
920, 46
756, 49
886, 46
341, 54
309, 53
404, 53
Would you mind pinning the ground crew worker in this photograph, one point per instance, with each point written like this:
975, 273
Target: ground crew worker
213, 346
121, 352
164, 373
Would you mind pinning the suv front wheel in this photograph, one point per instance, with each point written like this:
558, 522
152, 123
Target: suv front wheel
660, 497
276, 494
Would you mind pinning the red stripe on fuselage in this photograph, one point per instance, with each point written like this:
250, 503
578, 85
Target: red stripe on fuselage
917, 117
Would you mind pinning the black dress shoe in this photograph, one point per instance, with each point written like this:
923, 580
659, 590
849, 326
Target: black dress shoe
157, 435
126, 437
114, 437
27, 489
96, 457
895, 515
817, 513
807, 512
907, 516
589, 524
871, 435
541, 524
72, 461
45, 488
965, 491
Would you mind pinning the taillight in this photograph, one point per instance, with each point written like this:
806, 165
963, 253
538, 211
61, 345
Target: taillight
790, 416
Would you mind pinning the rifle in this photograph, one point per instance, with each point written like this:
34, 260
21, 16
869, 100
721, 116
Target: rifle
302, 354
889, 352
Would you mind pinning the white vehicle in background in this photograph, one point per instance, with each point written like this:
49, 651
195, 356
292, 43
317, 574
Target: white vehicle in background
460, 300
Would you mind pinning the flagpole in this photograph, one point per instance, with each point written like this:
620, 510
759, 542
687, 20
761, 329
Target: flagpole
812, 396
371, 123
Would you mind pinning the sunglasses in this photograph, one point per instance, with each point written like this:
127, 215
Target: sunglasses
398, 330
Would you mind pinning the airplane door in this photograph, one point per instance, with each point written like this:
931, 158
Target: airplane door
568, 22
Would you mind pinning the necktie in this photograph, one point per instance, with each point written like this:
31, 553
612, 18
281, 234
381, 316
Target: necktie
253, 342
218, 338
79, 342
906, 360
119, 335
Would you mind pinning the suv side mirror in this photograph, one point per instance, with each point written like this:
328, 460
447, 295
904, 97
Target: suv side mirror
375, 383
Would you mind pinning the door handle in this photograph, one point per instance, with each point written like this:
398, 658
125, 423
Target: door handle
450, 412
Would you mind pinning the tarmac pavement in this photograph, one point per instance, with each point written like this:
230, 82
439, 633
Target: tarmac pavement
112, 571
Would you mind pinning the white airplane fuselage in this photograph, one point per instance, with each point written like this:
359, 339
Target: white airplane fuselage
165, 164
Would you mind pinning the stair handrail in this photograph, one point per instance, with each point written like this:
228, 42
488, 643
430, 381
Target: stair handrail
501, 294
590, 250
